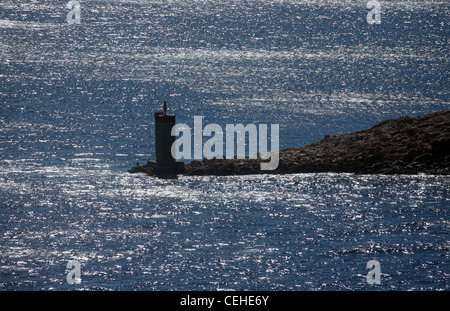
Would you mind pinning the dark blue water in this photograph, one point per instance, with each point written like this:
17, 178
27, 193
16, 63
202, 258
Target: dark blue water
76, 111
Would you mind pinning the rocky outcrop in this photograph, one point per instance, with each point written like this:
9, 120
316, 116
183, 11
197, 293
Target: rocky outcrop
407, 145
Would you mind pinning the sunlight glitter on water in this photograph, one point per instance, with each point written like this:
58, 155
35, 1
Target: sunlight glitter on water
77, 105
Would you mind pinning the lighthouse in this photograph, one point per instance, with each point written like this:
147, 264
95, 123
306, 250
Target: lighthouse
165, 164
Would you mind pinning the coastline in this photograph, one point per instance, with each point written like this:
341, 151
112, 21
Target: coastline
405, 145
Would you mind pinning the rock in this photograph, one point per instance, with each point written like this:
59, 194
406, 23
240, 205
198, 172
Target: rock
424, 157
440, 147
407, 145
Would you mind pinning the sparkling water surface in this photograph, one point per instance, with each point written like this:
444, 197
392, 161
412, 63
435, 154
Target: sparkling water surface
76, 112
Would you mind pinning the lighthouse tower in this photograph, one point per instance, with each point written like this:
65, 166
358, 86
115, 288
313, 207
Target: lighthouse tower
165, 164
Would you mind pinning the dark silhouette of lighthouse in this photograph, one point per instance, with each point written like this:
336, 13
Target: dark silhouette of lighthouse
165, 164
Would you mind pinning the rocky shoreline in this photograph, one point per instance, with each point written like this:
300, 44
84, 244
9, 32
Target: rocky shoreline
406, 145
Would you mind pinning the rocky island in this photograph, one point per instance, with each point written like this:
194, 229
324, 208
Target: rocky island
406, 145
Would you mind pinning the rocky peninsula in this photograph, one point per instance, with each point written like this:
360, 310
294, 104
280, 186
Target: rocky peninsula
406, 145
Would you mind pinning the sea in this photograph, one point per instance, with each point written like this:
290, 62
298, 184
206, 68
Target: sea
81, 80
